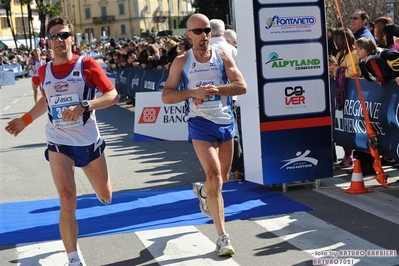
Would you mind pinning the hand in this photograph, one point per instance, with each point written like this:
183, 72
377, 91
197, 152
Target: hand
206, 92
15, 126
198, 102
72, 113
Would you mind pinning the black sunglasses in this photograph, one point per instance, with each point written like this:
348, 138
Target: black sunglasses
63, 35
355, 18
200, 31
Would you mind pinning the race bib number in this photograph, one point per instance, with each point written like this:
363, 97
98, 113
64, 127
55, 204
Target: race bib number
213, 103
59, 104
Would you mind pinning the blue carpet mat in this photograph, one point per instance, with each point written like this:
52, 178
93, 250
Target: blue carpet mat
32, 221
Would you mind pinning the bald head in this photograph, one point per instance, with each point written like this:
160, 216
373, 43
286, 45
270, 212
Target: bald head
197, 21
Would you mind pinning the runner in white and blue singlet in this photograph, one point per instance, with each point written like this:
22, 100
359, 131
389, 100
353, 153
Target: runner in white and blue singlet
211, 78
73, 139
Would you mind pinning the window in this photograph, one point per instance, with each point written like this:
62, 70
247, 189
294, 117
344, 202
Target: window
4, 23
87, 13
103, 11
123, 29
105, 30
89, 32
121, 9
20, 24
17, 2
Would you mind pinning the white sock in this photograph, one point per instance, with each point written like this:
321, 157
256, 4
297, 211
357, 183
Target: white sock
73, 256
223, 234
202, 192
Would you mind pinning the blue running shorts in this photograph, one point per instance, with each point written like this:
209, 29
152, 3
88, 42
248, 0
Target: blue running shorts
200, 128
81, 155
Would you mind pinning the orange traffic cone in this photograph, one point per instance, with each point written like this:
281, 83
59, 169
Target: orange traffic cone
357, 183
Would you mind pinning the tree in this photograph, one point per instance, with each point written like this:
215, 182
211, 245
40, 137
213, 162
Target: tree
374, 8
213, 9
45, 10
23, 21
30, 24
7, 7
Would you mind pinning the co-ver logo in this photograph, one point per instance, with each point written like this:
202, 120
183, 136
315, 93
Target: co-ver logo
149, 115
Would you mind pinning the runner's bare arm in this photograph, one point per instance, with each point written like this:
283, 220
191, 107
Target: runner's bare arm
171, 95
17, 125
237, 83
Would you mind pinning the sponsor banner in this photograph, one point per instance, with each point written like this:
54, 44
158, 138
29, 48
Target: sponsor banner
293, 94
277, 24
282, 61
294, 98
296, 154
286, 1
382, 105
155, 121
133, 79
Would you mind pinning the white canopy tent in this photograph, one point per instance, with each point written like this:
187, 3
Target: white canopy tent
11, 44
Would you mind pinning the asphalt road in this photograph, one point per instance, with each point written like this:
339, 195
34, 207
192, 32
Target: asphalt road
338, 221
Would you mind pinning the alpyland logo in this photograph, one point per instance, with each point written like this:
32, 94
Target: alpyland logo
149, 115
277, 62
300, 161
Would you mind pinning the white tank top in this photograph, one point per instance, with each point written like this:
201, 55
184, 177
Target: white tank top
62, 93
218, 108
34, 72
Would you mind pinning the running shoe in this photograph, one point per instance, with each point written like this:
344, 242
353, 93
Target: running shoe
202, 201
223, 246
105, 202
75, 263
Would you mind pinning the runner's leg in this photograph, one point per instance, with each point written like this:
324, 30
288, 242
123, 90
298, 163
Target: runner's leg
62, 169
98, 175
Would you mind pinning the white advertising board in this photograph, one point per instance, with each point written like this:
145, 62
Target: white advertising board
156, 121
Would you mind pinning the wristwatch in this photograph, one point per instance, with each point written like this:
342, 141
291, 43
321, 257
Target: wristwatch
85, 104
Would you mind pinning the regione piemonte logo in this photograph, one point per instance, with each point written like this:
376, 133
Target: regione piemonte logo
149, 115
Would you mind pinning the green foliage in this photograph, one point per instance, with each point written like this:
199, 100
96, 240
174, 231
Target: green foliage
213, 9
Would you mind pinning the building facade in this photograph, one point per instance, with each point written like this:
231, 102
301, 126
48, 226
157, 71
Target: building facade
102, 19
19, 18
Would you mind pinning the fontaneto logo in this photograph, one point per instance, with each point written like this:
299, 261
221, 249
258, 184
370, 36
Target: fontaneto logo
277, 21
149, 115
300, 161
300, 23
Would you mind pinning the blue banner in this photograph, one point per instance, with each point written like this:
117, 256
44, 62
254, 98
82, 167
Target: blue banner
382, 103
133, 79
